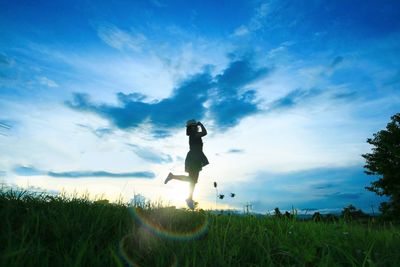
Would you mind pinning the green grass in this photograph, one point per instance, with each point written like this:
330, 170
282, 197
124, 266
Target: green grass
40, 230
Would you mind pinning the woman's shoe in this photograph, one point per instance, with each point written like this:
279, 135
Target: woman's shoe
190, 203
169, 178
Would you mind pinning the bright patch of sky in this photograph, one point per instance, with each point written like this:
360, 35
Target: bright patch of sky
94, 96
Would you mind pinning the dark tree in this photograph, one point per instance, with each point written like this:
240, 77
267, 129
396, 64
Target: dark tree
384, 161
331, 218
316, 216
288, 215
350, 213
277, 212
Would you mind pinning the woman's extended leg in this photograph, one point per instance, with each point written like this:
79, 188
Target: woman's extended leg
184, 178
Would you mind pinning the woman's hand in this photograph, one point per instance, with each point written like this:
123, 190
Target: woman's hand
203, 129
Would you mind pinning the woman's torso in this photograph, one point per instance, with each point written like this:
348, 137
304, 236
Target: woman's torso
195, 143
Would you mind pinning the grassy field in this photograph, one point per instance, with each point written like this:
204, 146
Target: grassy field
40, 230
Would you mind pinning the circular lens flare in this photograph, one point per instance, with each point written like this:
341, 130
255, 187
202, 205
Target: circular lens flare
154, 226
131, 255
153, 223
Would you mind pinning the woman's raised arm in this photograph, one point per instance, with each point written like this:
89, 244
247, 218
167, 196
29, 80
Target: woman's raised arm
203, 130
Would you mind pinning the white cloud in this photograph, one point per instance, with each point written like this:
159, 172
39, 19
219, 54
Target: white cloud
47, 82
257, 21
241, 30
119, 39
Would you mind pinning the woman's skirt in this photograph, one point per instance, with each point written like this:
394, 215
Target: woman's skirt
195, 161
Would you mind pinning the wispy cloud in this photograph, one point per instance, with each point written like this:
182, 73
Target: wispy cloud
346, 196
32, 171
235, 151
99, 132
241, 30
336, 61
150, 154
158, 3
88, 174
256, 22
394, 79
293, 98
7, 70
120, 39
28, 171
345, 96
43, 80
5, 61
323, 186
4, 127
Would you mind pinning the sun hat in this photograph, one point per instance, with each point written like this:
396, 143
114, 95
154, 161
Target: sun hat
190, 122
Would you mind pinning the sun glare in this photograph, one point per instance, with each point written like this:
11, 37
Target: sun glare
178, 192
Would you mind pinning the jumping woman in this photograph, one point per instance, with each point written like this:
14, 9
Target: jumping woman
195, 158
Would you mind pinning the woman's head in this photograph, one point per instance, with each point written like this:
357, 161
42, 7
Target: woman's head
191, 127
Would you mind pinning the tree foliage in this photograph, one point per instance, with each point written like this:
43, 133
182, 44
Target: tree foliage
384, 162
351, 212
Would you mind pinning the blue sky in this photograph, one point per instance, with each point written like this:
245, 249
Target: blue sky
94, 97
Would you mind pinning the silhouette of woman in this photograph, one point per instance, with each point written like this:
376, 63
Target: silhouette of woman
195, 158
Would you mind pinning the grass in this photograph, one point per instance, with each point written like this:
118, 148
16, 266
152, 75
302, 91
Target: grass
41, 230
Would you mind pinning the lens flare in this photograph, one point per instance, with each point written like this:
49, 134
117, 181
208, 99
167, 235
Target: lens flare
155, 226
133, 255
152, 230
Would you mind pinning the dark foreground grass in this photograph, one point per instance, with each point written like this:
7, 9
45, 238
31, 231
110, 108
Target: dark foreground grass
40, 230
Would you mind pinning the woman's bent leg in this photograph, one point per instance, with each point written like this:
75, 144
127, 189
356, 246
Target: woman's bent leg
193, 180
191, 189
